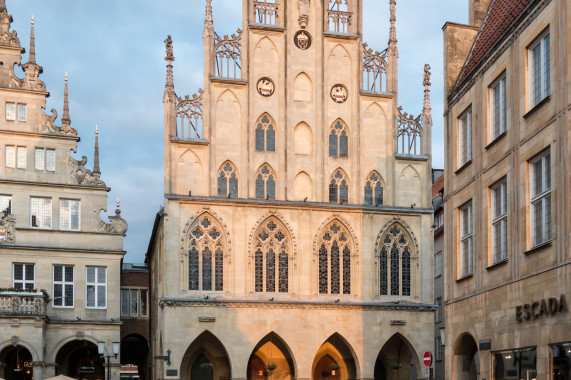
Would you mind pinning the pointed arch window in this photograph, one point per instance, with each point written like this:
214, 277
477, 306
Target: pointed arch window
228, 180
339, 140
374, 190
206, 256
339, 187
265, 183
266, 134
394, 262
271, 257
334, 259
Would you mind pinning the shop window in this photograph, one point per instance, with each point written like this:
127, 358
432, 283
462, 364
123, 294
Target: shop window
561, 361
515, 364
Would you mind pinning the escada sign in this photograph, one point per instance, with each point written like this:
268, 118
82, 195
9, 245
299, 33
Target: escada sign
537, 309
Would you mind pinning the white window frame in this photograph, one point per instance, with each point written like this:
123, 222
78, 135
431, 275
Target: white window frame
45, 205
16, 156
10, 114
134, 302
438, 314
466, 240
22, 116
540, 198
438, 348
66, 214
64, 282
499, 220
543, 42
465, 137
6, 204
498, 112
24, 280
125, 302
146, 297
43, 161
438, 264
128, 302
10, 161
96, 287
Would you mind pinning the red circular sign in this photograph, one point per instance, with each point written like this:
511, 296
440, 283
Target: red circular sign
427, 358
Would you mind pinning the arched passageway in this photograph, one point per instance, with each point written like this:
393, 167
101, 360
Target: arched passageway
205, 359
79, 359
16, 363
466, 359
335, 359
135, 351
397, 360
271, 358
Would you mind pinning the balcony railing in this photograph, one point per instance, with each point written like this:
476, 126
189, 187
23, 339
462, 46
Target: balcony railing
265, 12
22, 304
339, 21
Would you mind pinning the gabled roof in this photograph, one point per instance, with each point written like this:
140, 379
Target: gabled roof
501, 16
438, 185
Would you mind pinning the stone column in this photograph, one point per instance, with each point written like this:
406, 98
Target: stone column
38, 368
49, 371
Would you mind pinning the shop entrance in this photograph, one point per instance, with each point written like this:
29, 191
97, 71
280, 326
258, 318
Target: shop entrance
79, 359
17, 363
466, 359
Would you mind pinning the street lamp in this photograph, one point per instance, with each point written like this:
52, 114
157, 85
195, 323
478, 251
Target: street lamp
101, 351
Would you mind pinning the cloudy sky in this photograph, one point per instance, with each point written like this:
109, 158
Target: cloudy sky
114, 53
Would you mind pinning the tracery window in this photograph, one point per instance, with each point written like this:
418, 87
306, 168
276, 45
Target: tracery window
266, 134
206, 255
374, 190
228, 180
339, 187
271, 257
265, 183
394, 262
338, 15
334, 259
339, 140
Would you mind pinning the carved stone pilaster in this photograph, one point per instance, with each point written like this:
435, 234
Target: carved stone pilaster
303, 13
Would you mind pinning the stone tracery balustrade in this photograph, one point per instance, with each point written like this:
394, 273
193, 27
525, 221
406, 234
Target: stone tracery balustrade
189, 115
22, 304
228, 55
375, 67
409, 133
339, 21
265, 12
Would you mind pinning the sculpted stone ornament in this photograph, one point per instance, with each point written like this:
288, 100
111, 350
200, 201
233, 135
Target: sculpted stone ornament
118, 225
266, 87
49, 126
339, 93
82, 176
8, 229
302, 40
6, 37
303, 13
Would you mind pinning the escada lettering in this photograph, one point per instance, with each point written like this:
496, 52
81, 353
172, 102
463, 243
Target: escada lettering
538, 309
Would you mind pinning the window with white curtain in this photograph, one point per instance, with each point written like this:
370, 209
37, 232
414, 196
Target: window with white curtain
69, 214
540, 198
466, 241
499, 219
539, 70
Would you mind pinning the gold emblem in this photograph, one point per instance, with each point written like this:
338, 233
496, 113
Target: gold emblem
339, 93
266, 87
302, 40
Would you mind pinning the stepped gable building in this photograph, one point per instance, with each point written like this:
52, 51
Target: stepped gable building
296, 236
53, 243
507, 199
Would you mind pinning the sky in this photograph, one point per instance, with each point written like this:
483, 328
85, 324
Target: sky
113, 52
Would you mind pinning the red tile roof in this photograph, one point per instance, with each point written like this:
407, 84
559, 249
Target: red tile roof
438, 185
501, 15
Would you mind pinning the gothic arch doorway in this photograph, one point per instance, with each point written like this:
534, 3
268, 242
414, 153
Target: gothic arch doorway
272, 359
80, 359
397, 360
206, 359
335, 360
16, 363
466, 359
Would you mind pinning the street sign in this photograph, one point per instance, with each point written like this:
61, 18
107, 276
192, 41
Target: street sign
427, 358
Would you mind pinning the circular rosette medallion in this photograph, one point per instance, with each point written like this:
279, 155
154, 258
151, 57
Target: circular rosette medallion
339, 93
302, 40
266, 87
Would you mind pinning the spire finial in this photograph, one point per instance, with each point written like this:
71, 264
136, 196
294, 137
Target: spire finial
65, 120
96, 169
32, 44
169, 87
208, 21
393, 32
427, 109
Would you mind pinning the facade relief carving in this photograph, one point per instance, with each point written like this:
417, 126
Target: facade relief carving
118, 225
80, 175
48, 125
8, 229
304, 13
